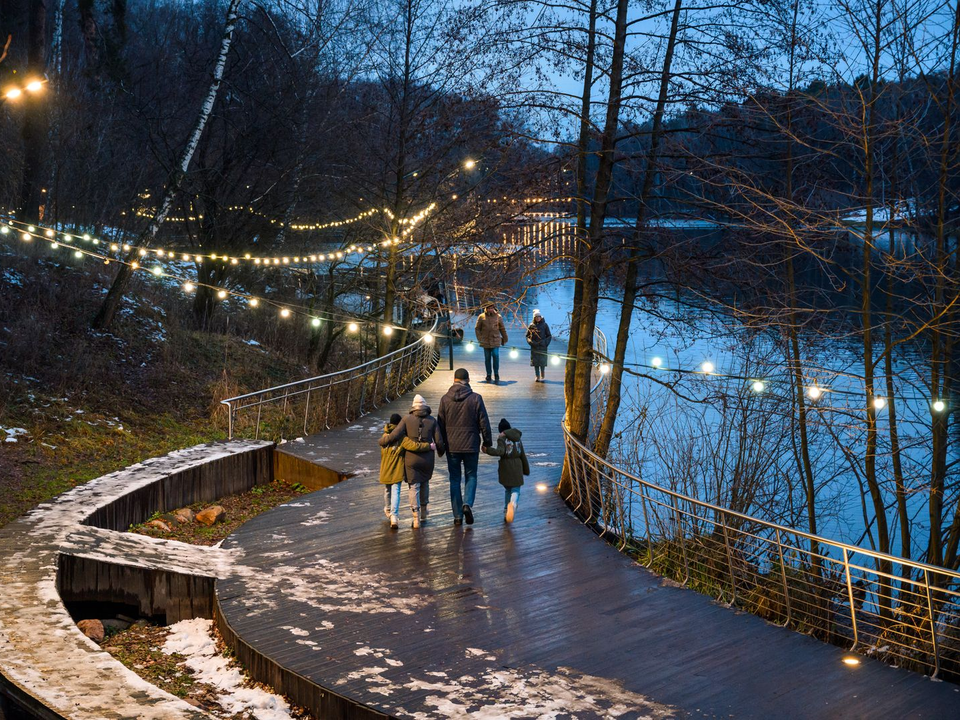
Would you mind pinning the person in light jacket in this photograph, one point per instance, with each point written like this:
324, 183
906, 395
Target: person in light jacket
421, 429
513, 466
392, 460
539, 337
491, 334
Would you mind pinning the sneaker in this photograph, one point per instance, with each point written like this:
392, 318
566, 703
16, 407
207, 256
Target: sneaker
458, 521
468, 514
508, 515
394, 522
386, 511
416, 521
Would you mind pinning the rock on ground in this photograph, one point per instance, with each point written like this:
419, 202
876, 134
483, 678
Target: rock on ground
93, 629
211, 515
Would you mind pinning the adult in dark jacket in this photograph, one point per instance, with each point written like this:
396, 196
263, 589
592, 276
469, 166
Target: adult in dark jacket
421, 427
491, 334
464, 426
539, 337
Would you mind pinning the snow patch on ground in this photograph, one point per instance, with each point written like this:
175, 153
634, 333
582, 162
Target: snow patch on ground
12, 433
194, 640
319, 518
546, 464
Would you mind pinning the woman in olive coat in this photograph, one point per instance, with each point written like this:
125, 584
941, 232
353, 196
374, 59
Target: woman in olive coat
539, 337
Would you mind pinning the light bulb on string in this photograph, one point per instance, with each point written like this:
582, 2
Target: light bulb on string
78, 254
656, 362
879, 402
939, 406
49, 233
284, 313
157, 270
428, 338
315, 322
707, 367
814, 392
4, 230
188, 287
604, 368
25, 237
470, 346
254, 302
555, 360
758, 386
514, 353
222, 294
353, 327
387, 330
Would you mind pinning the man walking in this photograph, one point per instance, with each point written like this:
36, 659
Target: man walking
464, 426
491, 334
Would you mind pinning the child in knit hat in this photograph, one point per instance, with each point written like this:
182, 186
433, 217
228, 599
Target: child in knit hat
513, 466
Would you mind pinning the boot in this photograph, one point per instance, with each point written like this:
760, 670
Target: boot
416, 520
423, 513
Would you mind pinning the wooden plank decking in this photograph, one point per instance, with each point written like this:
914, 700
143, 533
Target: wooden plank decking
522, 620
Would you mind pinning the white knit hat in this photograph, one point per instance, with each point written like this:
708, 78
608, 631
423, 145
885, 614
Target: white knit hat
419, 403
536, 312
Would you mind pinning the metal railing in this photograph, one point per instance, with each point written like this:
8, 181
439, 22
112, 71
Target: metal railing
321, 402
904, 612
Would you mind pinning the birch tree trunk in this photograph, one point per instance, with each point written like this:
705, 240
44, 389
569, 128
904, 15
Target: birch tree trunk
111, 303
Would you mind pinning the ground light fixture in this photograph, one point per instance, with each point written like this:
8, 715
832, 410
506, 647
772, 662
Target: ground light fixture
851, 660
541, 487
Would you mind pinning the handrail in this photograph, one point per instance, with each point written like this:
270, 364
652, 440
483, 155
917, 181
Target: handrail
390, 375
808, 581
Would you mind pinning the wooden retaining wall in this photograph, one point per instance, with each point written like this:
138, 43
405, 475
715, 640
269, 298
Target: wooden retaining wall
321, 702
293, 469
225, 476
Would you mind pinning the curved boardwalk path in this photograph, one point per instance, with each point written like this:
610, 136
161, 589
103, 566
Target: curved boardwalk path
525, 620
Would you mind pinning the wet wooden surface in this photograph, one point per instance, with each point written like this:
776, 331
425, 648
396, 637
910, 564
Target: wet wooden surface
517, 620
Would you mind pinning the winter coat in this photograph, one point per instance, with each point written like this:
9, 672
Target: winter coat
463, 420
490, 330
392, 455
513, 459
539, 337
418, 429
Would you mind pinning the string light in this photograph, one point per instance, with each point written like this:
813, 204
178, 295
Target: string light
604, 368
814, 392
222, 294
284, 312
514, 353
758, 386
189, 287
387, 330
939, 406
707, 367
315, 322
470, 347
555, 360
428, 338
656, 362
353, 327
879, 402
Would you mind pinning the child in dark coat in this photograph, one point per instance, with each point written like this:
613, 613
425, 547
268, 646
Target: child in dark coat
513, 466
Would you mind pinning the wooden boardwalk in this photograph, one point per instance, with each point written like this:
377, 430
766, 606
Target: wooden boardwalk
539, 618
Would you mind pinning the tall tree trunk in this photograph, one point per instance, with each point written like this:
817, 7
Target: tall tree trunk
580, 234
33, 130
605, 434
941, 379
111, 303
579, 412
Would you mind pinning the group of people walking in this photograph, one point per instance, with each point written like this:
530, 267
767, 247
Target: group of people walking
461, 431
492, 335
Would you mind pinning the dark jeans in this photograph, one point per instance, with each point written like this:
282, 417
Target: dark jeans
492, 356
466, 496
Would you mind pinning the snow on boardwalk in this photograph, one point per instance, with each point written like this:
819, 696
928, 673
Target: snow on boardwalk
539, 619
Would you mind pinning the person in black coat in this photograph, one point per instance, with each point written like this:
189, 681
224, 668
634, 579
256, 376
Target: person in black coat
539, 337
465, 427
421, 427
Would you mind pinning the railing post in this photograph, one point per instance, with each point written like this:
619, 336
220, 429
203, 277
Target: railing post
683, 545
326, 410
726, 544
306, 411
933, 625
256, 435
396, 393
646, 522
376, 386
853, 609
349, 394
783, 576
363, 393
230, 421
